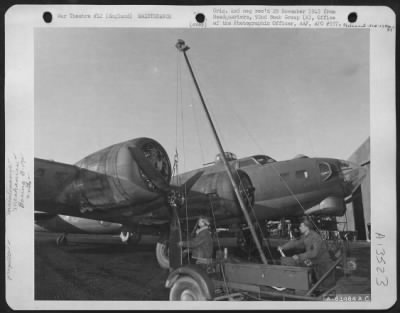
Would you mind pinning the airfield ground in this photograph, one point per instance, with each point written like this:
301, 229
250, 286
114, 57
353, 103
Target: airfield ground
94, 267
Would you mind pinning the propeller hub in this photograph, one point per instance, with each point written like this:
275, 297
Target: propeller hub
353, 175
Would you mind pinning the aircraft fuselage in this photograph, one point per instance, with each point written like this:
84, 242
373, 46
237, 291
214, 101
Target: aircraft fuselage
289, 188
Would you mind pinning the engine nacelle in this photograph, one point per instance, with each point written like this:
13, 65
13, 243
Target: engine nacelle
332, 206
216, 189
112, 178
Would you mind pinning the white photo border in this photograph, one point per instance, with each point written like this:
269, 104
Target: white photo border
20, 22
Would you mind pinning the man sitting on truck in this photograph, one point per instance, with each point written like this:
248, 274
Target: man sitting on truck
202, 243
316, 253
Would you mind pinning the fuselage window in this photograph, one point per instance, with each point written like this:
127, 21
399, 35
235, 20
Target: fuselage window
302, 174
325, 171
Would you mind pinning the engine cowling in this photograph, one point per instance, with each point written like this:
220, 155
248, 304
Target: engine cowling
112, 178
216, 190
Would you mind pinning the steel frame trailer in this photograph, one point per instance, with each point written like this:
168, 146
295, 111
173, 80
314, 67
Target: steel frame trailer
225, 280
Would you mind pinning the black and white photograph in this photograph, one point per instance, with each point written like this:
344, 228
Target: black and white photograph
200, 163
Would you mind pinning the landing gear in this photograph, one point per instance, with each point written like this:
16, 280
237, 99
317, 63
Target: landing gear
246, 243
130, 237
162, 254
62, 240
186, 289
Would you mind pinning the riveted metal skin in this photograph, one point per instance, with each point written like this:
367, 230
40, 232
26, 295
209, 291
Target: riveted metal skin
111, 177
102, 182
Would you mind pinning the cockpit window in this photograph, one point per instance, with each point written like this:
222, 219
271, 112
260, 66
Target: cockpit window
229, 156
325, 170
256, 159
247, 162
263, 159
334, 169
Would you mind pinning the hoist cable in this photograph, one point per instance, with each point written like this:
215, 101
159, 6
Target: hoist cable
210, 109
178, 80
179, 96
187, 223
184, 157
197, 129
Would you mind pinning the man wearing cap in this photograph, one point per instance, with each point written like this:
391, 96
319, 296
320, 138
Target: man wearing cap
202, 243
316, 252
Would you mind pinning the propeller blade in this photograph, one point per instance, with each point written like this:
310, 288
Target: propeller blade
352, 197
190, 182
349, 199
148, 169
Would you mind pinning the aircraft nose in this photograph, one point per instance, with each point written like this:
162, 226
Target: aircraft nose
353, 175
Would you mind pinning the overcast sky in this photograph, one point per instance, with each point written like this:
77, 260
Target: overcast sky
279, 92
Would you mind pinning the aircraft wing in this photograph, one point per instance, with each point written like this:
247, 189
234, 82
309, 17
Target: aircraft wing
71, 190
51, 180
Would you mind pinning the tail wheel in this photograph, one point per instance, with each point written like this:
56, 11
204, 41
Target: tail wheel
186, 289
162, 254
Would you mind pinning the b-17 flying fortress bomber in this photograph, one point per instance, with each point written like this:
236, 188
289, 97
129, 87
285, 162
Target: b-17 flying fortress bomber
128, 188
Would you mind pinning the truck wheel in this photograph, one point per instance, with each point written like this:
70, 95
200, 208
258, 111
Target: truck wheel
186, 289
162, 254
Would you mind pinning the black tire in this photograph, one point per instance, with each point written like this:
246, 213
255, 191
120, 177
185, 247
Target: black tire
162, 254
186, 289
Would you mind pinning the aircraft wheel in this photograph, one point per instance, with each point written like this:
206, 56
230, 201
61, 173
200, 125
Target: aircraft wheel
186, 289
130, 238
124, 235
162, 254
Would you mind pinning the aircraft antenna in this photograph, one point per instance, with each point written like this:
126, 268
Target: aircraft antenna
181, 46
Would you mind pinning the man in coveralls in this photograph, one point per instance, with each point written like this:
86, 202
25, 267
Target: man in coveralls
202, 243
316, 253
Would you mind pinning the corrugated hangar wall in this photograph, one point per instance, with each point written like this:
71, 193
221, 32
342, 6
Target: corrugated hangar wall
358, 213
